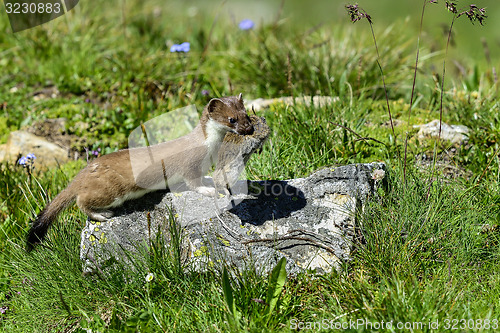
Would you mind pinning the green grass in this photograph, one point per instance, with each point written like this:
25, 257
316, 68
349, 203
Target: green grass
428, 249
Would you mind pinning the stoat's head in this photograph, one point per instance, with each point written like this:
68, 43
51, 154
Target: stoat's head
229, 114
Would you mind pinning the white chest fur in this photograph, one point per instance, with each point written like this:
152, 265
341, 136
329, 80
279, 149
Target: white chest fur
215, 133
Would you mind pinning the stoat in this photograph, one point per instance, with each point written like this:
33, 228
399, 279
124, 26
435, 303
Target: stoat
110, 180
235, 152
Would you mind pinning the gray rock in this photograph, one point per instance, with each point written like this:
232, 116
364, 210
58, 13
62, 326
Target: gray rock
317, 101
310, 221
21, 143
453, 133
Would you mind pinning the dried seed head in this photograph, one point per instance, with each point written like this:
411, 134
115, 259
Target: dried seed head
475, 14
357, 13
451, 6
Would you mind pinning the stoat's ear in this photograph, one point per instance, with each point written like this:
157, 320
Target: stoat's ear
214, 104
240, 98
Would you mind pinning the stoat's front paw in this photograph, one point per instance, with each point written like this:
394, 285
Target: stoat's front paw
206, 191
224, 192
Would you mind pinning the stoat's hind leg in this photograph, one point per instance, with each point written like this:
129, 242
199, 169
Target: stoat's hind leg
87, 205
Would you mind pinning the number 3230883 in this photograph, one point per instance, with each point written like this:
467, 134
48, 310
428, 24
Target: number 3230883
462, 324
32, 8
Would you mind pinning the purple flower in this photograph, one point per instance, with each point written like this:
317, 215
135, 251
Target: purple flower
96, 152
205, 92
184, 47
3, 309
246, 24
31, 156
23, 160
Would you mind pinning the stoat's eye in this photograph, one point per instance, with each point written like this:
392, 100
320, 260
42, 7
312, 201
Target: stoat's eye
232, 120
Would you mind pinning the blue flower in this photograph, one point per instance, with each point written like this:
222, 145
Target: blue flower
205, 92
184, 47
23, 160
31, 156
246, 24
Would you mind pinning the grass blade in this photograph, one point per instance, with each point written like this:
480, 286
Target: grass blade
276, 284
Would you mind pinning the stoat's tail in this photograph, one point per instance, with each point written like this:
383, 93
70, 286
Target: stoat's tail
43, 221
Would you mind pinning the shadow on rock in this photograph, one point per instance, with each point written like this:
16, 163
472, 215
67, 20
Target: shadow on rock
271, 200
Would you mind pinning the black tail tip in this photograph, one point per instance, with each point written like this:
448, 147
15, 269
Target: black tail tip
35, 236
30, 247
31, 241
